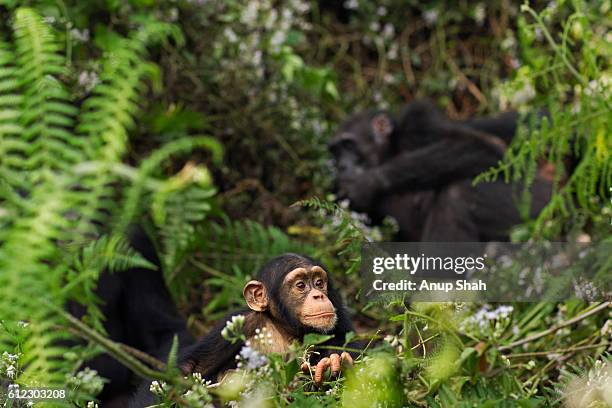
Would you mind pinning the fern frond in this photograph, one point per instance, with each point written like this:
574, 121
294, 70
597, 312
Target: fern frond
153, 162
580, 130
109, 114
32, 275
227, 252
12, 149
46, 113
110, 253
54, 206
181, 211
244, 243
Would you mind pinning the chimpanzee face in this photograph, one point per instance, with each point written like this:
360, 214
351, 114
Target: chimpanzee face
361, 142
299, 298
305, 292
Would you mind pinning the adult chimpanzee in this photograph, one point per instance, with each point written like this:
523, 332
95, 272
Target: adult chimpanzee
139, 312
293, 295
418, 169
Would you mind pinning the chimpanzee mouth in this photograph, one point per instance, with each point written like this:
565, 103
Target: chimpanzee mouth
319, 315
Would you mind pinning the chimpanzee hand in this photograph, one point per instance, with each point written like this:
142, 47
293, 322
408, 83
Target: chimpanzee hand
361, 189
334, 362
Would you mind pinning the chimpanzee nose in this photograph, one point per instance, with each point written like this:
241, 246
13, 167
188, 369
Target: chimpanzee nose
317, 295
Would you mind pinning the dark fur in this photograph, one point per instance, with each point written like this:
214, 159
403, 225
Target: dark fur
422, 175
140, 313
213, 355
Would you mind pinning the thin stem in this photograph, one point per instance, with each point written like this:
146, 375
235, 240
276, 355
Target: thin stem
556, 327
554, 45
116, 351
422, 342
422, 316
557, 351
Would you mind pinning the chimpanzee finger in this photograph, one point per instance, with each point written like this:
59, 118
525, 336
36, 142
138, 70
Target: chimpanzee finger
346, 358
335, 363
320, 370
305, 367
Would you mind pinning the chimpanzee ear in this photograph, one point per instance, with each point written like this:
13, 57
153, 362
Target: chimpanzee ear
256, 295
382, 127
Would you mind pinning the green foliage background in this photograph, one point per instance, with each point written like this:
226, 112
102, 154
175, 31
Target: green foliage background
206, 120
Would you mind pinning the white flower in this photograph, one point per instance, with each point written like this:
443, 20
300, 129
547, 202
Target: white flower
80, 35
585, 290
515, 63
233, 328
230, 35
479, 13
485, 317
508, 43
88, 80
301, 6
249, 14
252, 358
523, 95
393, 52
157, 388
271, 20
388, 31
351, 4
10, 357
538, 33
287, 16
431, 16
278, 38
257, 58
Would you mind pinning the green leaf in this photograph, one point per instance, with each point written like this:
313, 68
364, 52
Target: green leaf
291, 369
312, 339
171, 362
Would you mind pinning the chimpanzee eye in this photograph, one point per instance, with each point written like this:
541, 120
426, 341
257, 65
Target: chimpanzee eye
300, 285
319, 283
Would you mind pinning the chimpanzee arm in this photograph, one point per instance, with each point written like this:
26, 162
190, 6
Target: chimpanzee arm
433, 151
209, 356
463, 150
437, 164
503, 125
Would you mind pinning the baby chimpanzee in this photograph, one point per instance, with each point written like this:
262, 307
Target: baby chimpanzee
293, 295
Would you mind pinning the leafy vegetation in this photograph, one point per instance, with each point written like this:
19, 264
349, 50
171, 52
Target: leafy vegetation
113, 113
61, 164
